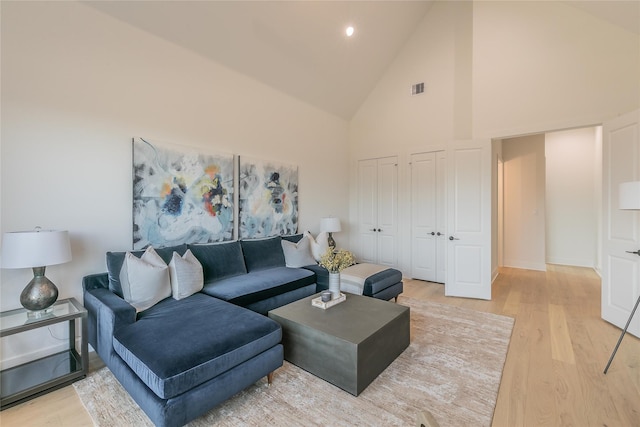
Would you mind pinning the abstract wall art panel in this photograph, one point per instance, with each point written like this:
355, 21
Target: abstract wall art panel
268, 199
180, 195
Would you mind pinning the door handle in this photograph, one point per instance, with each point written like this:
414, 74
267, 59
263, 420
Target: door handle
453, 238
433, 234
636, 252
439, 233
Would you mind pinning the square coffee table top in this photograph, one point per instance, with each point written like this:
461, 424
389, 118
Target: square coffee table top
353, 320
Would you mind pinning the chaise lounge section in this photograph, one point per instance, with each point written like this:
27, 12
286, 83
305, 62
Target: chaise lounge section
179, 359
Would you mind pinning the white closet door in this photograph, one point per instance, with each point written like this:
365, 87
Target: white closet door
368, 210
441, 217
388, 211
620, 270
423, 216
469, 220
378, 211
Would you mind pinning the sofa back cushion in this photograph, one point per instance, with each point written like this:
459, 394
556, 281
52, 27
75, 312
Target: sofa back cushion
219, 260
263, 253
116, 259
295, 238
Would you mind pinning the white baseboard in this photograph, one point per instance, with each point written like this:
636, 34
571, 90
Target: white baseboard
526, 265
571, 261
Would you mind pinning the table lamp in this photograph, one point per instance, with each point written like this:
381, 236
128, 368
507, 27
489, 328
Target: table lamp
36, 249
330, 225
628, 199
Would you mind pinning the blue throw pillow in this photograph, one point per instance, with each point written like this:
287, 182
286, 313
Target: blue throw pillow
262, 254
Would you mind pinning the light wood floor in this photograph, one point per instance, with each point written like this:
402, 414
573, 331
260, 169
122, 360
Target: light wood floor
553, 372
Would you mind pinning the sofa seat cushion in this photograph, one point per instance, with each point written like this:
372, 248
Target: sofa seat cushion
176, 345
249, 288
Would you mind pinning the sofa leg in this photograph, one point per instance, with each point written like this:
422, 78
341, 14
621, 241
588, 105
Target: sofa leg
395, 299
269, 378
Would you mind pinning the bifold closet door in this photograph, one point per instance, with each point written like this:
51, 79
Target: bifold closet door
378, 210
428, 216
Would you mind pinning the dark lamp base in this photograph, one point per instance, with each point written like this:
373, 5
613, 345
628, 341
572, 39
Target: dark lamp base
331, 242
40, 293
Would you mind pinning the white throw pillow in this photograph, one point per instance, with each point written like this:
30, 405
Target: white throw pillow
319, 245
145, 280
298, 255
186, 273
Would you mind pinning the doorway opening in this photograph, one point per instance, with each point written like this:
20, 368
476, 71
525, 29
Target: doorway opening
552, 199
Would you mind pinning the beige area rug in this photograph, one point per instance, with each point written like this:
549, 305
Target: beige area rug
452, 369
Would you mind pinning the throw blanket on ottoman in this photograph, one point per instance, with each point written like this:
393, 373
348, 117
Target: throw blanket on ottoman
352, 278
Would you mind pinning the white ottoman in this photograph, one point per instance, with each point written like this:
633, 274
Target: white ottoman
373, 280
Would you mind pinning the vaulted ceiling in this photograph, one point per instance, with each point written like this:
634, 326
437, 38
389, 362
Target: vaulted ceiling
300, 47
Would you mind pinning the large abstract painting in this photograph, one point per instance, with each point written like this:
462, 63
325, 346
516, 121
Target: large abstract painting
268, 199
180, 195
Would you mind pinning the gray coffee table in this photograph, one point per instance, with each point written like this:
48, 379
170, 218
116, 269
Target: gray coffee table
348, 344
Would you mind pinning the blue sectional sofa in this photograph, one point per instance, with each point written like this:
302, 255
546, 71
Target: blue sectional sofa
180, 358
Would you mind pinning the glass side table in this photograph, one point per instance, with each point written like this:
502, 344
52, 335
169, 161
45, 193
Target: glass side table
21, 383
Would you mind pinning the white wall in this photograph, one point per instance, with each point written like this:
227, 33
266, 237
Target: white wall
391, 122
571, 198
533, 67
77, 85
545, 65
524, 202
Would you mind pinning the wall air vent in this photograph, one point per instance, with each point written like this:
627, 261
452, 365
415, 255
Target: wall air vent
417, 89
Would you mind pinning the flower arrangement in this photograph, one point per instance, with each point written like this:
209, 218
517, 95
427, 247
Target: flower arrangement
337, 260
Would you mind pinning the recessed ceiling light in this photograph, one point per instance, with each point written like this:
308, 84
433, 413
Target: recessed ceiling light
349, 31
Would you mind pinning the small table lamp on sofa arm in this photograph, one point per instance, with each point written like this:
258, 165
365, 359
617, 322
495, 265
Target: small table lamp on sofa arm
330, 225
36, 249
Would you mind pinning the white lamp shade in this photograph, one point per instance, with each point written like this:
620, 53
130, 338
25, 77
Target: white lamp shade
37, 248
330, 225
629, 195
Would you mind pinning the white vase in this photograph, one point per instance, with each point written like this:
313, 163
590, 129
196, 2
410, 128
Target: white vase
334, 285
